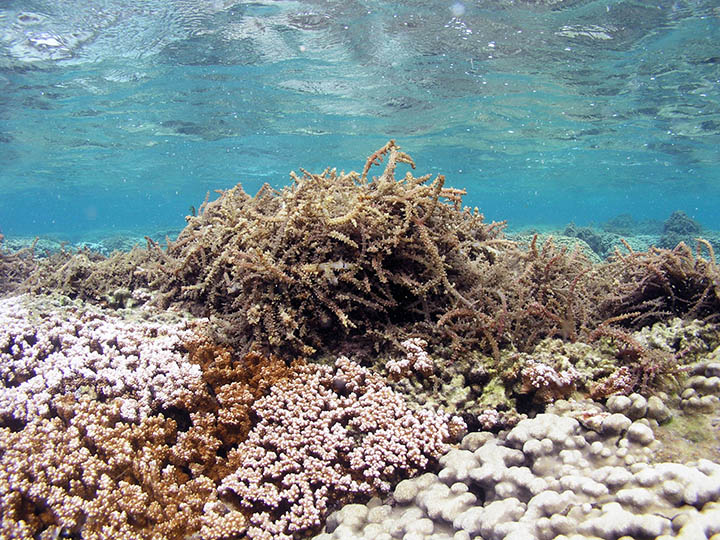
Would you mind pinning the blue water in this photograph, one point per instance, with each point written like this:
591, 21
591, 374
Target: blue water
117, 116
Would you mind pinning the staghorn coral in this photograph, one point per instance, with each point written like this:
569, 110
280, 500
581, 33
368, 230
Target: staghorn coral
337, 258
340, 263
110, 428
15, 267
87, 473
344, 264
334, 261
116, 281
660, 284
121, 428
551, 298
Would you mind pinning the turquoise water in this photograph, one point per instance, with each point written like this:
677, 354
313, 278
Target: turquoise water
117, 116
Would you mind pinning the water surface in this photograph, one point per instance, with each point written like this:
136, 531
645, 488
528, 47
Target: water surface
118, 116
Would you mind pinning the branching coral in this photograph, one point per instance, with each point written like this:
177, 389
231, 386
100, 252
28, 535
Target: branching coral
340, 262
520, 296
109, 428
87, 473
341, 256
324, 436
92, 276
147, 428
547, 383
48, 347
16, 267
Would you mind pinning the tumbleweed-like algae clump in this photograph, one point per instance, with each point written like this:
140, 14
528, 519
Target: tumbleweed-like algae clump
332, 256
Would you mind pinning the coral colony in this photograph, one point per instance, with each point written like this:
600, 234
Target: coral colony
359, 356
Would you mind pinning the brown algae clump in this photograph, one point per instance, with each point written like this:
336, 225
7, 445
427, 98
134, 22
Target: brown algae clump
332, 256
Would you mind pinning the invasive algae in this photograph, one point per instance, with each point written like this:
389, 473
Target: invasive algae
346, 263
333, 257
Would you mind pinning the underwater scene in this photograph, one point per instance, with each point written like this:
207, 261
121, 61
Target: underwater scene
419, 270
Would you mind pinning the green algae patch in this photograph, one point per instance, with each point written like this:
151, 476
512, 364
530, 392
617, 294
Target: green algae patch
690, 436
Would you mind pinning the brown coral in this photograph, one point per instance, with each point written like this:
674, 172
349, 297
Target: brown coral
15, 267
91, 276
84, 470
326, 436
343, 263
659, 284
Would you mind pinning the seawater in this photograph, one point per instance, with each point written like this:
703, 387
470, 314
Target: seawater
118, 116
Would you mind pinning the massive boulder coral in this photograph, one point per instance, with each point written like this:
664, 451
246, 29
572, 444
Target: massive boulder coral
547, 478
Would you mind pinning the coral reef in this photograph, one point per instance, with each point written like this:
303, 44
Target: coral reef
416, 360
342, 321
15, 267
602, 243
546, 383
342, 263
626, 225
622, 224
325, 436
492, 394
331, 257
679, 227
109, 428
548, 477
85, 472
55, 347
141, 427
660, 284
119, 280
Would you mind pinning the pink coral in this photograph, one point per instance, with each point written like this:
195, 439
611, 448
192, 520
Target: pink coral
621, 381
48, 347
416, 359
93, 407
488, 419
328, 434
548, 383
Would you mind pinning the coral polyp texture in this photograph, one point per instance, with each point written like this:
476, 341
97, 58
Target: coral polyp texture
326, 435
83, 350
547, 478
142, 428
